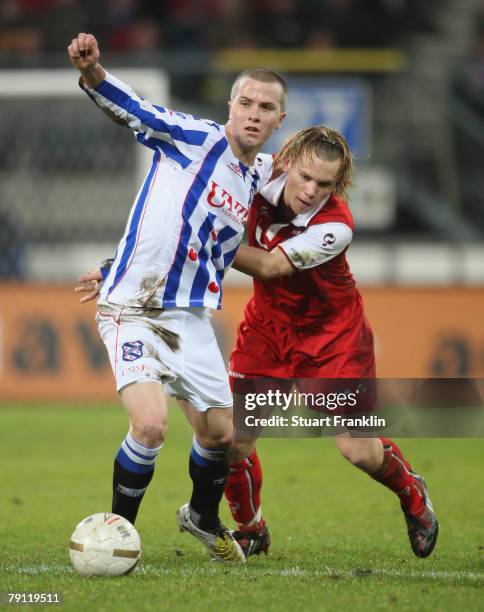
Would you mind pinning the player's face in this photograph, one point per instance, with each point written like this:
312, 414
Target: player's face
254, 113
309, 182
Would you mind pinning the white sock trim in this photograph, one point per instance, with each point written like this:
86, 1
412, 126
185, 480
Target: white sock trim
140, 448
209, 453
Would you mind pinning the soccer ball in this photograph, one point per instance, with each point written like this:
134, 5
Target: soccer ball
104, 544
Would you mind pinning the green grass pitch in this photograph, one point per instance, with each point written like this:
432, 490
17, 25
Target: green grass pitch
339, 539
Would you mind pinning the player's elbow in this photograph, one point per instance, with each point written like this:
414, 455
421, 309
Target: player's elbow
271, 270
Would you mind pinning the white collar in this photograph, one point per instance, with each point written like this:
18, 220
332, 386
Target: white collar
272, 193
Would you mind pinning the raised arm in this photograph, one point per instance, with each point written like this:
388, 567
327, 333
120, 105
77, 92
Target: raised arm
156, 127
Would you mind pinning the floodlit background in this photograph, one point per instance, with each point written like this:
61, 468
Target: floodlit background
402, 79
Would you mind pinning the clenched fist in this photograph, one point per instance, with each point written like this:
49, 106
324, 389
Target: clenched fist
84, 55
84, 51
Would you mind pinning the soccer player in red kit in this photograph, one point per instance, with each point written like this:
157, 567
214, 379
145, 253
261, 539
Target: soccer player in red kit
307, 320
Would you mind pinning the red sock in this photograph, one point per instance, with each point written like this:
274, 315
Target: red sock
396, 474
243, 491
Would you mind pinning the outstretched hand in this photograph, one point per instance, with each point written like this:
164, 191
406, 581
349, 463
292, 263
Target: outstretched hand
91, 284
84, 51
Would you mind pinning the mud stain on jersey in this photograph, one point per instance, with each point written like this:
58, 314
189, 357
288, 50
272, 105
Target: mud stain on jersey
303, 259
152, 309
148, 289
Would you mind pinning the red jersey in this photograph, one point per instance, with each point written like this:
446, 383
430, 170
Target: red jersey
312, 293
309, 324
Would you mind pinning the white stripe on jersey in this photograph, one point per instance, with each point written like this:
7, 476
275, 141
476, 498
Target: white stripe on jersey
188, 217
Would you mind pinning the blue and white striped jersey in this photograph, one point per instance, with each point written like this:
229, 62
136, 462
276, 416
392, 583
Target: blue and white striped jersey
188, 218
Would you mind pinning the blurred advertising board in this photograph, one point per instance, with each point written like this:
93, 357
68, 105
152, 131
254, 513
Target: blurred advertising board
49, 346
50, 349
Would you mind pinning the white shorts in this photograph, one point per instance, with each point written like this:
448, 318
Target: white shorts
176, 347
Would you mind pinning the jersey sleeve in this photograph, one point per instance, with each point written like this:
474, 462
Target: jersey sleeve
317, 244
179, 136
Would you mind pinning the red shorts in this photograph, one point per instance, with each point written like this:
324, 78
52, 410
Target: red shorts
315, 359
341, 347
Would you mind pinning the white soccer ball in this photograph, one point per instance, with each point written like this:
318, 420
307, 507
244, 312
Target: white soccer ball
104, 544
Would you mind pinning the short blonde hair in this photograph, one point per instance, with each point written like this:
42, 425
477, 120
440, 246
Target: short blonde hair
264, 75
322, 142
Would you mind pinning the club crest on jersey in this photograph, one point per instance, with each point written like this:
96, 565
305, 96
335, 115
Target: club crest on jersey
329, 239
132, 350
220, 198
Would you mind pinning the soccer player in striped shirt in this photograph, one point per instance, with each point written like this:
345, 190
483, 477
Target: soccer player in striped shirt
182, 234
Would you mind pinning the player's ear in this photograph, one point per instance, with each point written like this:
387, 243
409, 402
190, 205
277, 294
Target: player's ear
281, 119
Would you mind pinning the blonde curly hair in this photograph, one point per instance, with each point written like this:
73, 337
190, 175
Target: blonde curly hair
321, 142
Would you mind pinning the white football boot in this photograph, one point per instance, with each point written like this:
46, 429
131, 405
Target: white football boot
220, 542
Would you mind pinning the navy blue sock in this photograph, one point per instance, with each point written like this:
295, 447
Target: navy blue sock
134, 467
208, 471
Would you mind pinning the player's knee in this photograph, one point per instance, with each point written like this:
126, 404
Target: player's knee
240, 450
218, 439
149, 433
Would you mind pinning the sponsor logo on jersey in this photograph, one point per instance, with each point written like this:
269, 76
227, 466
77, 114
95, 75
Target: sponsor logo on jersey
329, 239
212, 124
132, 350
236, 168
220, 198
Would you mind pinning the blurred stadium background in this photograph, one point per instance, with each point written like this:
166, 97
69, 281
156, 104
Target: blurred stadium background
403, 79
